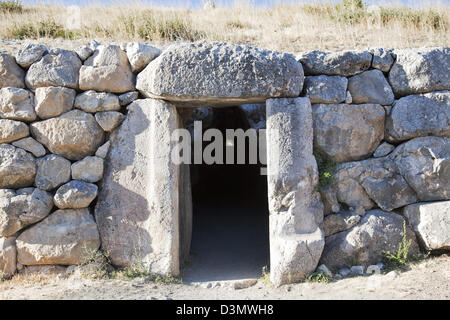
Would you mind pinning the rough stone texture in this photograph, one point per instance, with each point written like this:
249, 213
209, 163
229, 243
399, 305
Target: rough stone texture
11, 75
137, 208
220, 74
255, 114
186, 212
102, 151
16, 104
91, 101
383, 150
370, 87
59, 68
140, 55
8, 255
11, 130
17, 167
22, 210
53, 101
338, 136
329, 200
90, 169
431, 222
29, 54
344, 63
420, 115
382, 59
107, 69
420, 71
378, 231
83, 52
52, 171
325, 89
296, 212
338, 222
66, 237
109, 120
83, 138
30, 145
348, 98
75, 194
425, 165
128, 97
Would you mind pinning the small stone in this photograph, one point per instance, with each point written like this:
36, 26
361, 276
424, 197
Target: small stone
91, 101
75, 195
392, 274
29, 54
16, 104
11, 75
90, 169
373, 269
357, 270
344, 272
370, 87
382, 59
30, 145
11, 130
102, 152
325, 89
383, 150
109, 120
348, 98
128, 97
244, 284
53, 101
52, 171
140, 55
323, 268
83, 52
338, 222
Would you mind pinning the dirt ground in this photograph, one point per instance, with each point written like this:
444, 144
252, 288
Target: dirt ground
429, 279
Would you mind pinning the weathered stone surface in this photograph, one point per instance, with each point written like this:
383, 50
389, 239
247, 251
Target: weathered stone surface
8, 254
84, 52
30, 145
128, 97
53, 101
383, 150
329, 199
90, 169
186, 212
338, 222
348, 98
83, 138
378, 231
58, 68
255, 114
338, 136
220, 74
107, 69
11, 130
140, 55
325, 89
431, 222
52, 171
370, 87
17, 167
344, 63
137, 208
109, 120
22, 210
102, 151
11, 75
91, 101
420, 71
296, 239
425, 165
29, 54
420, 115
66, 237
382, 59
16, 104
75, 194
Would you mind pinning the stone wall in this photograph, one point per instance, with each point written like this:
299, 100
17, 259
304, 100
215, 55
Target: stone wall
383, 116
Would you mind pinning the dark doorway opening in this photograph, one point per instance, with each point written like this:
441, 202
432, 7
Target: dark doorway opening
230, 236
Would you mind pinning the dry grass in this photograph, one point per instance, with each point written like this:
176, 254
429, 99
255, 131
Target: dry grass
287, 27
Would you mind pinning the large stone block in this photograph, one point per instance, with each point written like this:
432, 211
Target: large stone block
370, 87
17, 167
11, 75
52, 171
16, 104
325, 89
53, 101
137, 207
8, 257
296, 239
221, 74
11, 130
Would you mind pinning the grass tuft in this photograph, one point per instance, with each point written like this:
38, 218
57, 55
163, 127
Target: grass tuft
318, 277
326, 166
11, 6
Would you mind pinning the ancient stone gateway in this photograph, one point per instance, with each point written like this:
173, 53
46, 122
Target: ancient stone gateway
144, 208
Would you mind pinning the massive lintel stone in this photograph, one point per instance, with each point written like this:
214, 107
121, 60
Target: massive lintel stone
431, 222
66, 237
220, 74
137, 208
344, 63
11, 75
296, 239
420, 115
420, 71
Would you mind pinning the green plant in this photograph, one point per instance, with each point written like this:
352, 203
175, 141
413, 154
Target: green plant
399, 258
353, 4
326, 166
11, 6
319, 277
48, 28
96, 265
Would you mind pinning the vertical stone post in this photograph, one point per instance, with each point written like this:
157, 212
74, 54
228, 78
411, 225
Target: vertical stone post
296, 212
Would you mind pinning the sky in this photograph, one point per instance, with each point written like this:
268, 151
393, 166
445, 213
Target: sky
198, 3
